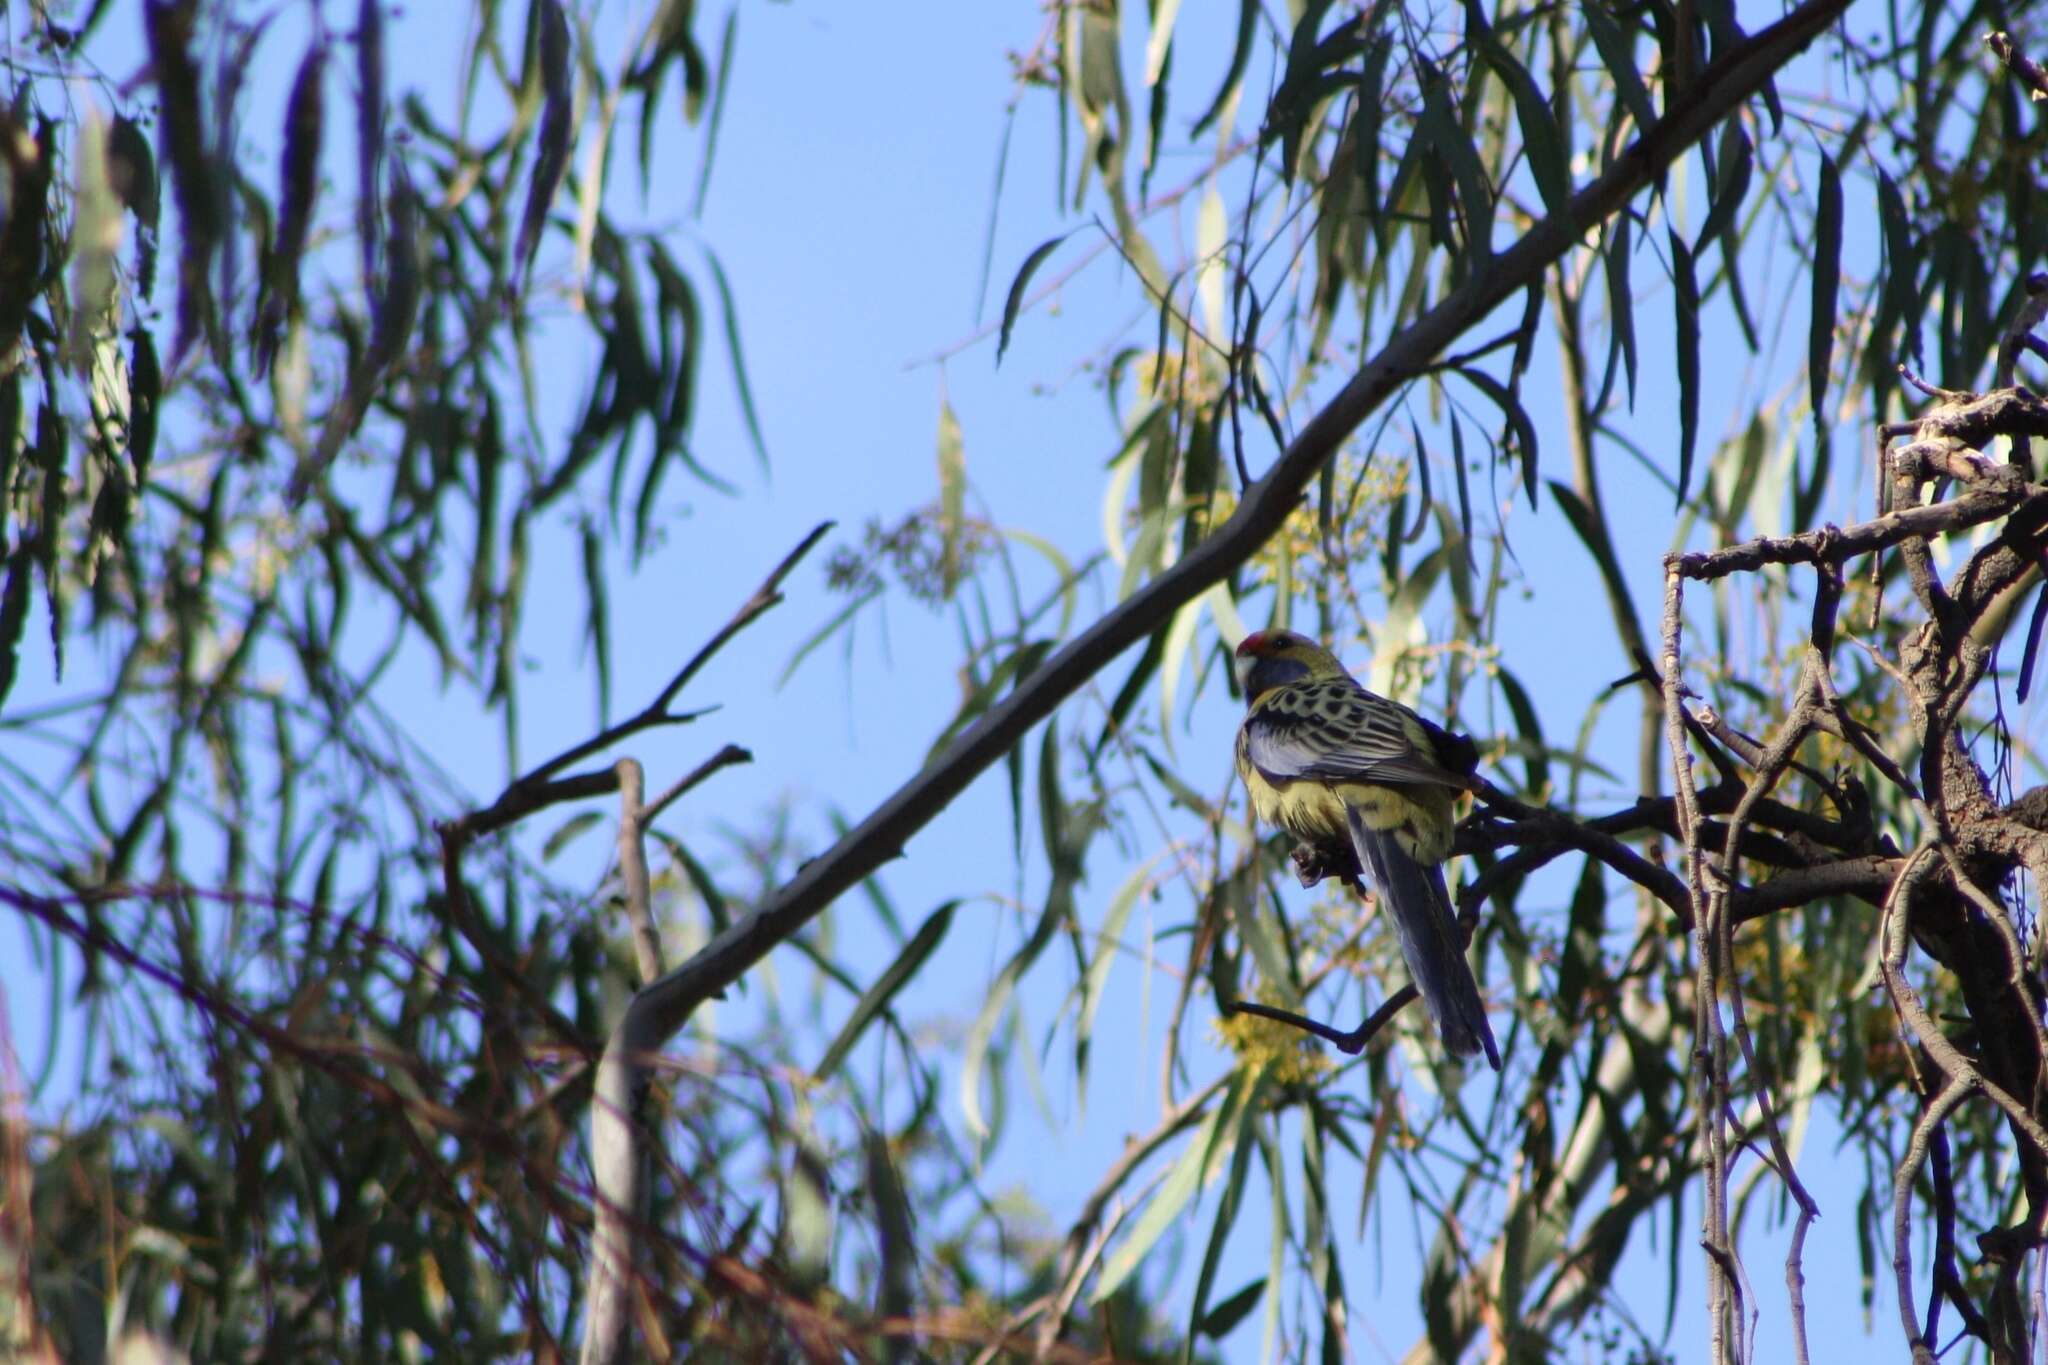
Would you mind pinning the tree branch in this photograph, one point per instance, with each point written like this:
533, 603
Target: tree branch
659, 1009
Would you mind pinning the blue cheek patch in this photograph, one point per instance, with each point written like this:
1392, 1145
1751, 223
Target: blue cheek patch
1267, 674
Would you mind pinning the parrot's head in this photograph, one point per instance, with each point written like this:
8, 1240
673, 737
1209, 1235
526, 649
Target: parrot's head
1267, 659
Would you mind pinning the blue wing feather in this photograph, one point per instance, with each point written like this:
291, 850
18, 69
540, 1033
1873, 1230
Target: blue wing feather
1420, 904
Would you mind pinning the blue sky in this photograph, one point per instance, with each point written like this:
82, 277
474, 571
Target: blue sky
849, 204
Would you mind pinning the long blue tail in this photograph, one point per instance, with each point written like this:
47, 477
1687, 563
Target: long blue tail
1421, 907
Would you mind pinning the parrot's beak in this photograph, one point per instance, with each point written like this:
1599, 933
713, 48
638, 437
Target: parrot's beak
1246, 659
1250, 651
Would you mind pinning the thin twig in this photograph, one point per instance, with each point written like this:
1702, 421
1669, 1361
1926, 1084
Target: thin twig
1950, 1095
724, 758
656, 712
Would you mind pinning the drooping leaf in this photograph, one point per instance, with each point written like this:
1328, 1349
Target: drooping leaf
1108, 946
183, 128
896, 1289
131, 171
1827, 278
1220, 1321
568, 832
14, 600
303, 121
1015, 299
369, 129
1541, 137
1248, 16
1617, 55
95, 236
1510, 405
729, 317
145, 389
1063, 844
1182, 1183
878, 996
727, 38
1686, 311
597, 627
551, 161
1220, 1227
1620, 305
1440, 128
952, 499
1731, 184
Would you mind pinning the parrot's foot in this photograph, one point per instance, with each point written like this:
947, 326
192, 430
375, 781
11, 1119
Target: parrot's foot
1350, 1044
1313, 862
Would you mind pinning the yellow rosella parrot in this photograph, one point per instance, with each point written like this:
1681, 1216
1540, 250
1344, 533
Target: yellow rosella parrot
1346, 771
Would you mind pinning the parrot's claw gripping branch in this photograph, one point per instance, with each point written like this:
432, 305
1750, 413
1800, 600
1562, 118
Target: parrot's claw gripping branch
1351, 1043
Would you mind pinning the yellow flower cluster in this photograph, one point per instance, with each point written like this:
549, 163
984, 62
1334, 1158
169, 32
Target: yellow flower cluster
1285, 1053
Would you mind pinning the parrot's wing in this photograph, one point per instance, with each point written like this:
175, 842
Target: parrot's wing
1362, 744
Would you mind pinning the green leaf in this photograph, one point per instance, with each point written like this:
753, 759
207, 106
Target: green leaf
1223, 1319
302, 136
1108, 944
145, 388
95, 235
893, 978
1313, 75
1182, 1183
1065, 839
1731, 183
1510, 404
1592, 532
1541, 137
1367, 120
1536, 765
840, 619
1579, 965
597, 615
1219, 1229
567, 832
551, 162
1901, 271
1440, 128
975, 1052
1620, 305
1180, 637
896, 1290
1015, 300
729, 315
1256, 927
726, 38
952, 498
1160, 40
806, 1233
369, 127
1248, 16
1827, 279
1134, 685
14, 611
1617, 54
1686, 308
